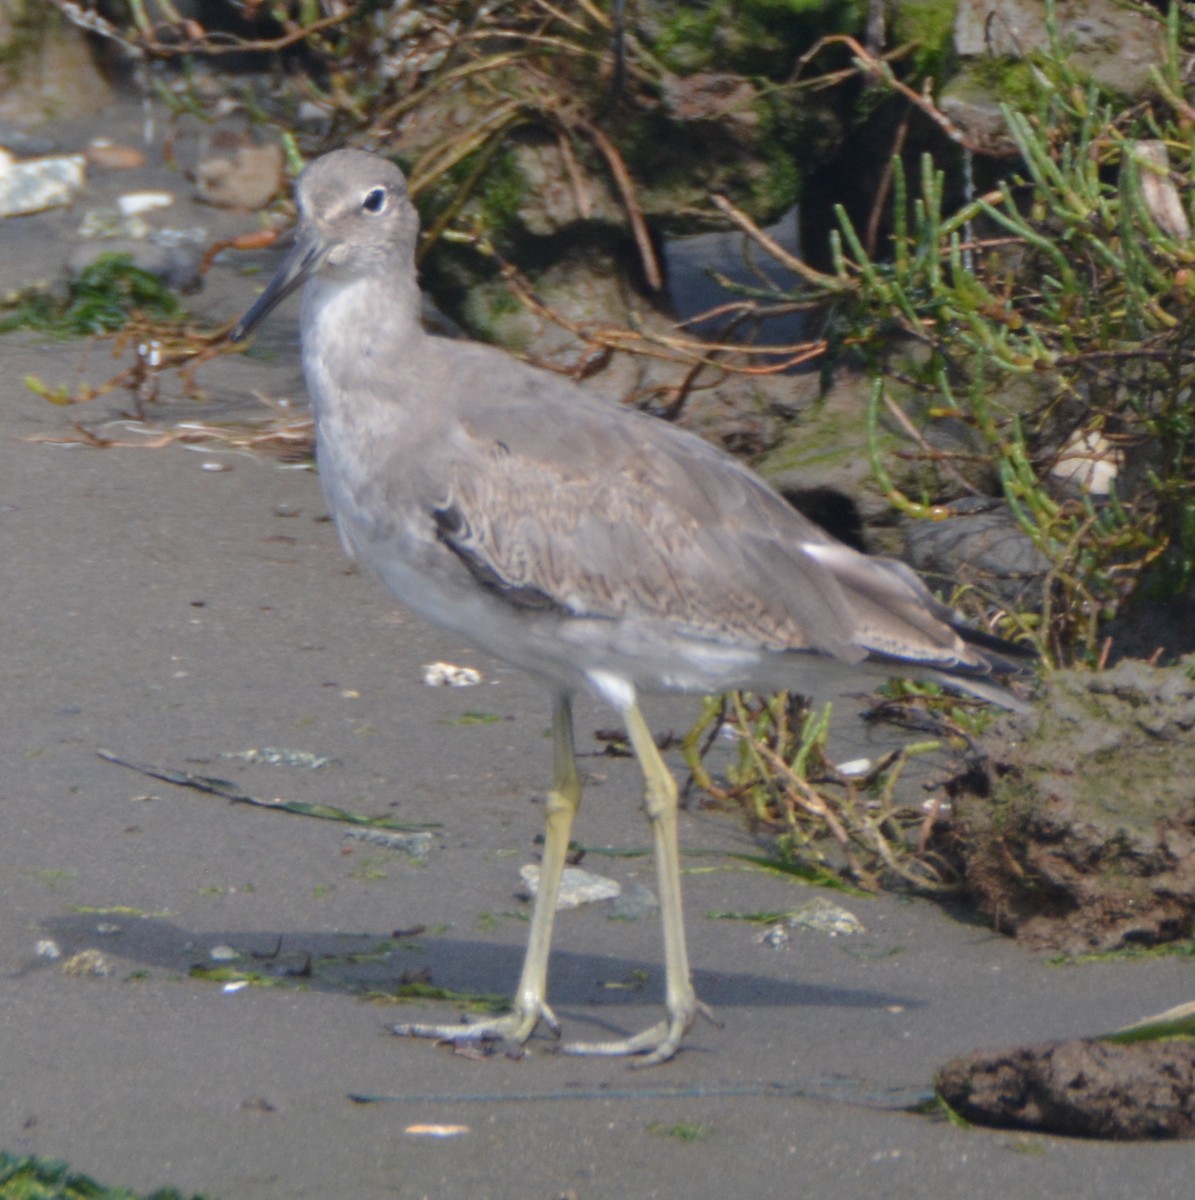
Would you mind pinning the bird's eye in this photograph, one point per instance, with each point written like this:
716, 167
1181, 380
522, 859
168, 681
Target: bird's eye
375, 200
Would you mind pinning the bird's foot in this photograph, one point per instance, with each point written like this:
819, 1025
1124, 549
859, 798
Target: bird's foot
514, 1027
657, 1044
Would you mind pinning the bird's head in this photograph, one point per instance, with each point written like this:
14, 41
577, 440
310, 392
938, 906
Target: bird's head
355, 218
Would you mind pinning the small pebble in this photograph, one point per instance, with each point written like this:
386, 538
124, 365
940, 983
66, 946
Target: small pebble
856, 767
112, 156
35, 184
775, 936
418, 845
443, 674
635, 903
109, 223
824, 916
88, 962
1088, 462
21, 142
312, 113
133, 204
239, 175
223, 954
48, 949
275, 757
576, 888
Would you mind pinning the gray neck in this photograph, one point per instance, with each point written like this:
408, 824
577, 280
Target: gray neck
358, 330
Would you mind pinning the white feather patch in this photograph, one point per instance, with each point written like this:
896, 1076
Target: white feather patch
616, 690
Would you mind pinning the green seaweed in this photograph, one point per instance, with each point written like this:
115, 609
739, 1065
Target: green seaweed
24, 1177
474, 1002
222, 787
471, 718
685, 1131
101, 300
237, 975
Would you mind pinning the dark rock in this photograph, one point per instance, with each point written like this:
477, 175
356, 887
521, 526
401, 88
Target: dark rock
24, 144
981, 546
237, 173
710, 95
1150, 624
1114, 45
1079, 1089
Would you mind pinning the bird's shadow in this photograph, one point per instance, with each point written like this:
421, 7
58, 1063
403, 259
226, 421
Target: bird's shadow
380, 965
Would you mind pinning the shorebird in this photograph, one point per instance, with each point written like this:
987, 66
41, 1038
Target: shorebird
599, 548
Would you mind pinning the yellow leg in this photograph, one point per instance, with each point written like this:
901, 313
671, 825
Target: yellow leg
662, 1040
530, 1005
563, 801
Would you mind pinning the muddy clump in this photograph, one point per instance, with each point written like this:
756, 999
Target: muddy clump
1080, 1089
1077, 832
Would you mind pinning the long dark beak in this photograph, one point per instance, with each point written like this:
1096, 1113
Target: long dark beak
305, 257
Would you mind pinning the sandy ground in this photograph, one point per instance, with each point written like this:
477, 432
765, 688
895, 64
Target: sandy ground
174, 614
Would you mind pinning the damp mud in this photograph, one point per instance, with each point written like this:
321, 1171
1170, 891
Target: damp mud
1076, 832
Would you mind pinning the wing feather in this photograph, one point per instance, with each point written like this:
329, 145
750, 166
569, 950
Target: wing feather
623, 516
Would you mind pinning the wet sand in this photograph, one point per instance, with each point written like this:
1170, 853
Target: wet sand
174, 614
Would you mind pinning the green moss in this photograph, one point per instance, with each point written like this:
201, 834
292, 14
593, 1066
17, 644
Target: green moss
929, 24
492, 314
503, 303
28, 26
1013, 80
502, 190
795, 138
755, 37
829, 439
676, 165
777, 191
687, 42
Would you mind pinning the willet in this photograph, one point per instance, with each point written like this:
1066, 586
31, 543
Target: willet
596, 547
